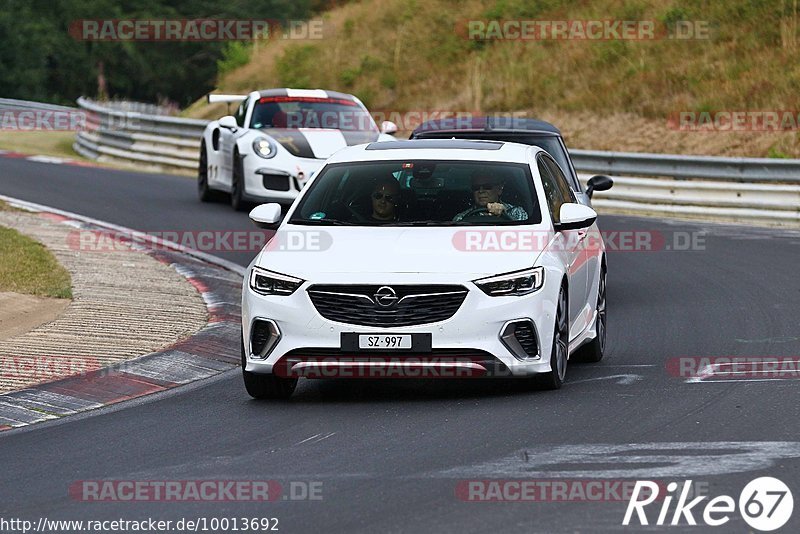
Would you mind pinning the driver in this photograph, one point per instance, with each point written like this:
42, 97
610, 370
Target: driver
385, 196
486, 191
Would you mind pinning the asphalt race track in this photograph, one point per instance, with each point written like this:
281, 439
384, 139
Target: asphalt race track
390, 455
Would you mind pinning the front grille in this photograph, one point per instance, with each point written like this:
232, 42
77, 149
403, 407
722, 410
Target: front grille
414, 305
276, 182
526, 337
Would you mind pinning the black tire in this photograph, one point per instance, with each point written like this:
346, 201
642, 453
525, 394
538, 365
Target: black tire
593, 351
237, 184
559, 353
261, 386
205, 193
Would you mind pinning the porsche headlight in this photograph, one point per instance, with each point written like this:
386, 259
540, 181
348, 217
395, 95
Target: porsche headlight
264, 147
266, 282
516, 283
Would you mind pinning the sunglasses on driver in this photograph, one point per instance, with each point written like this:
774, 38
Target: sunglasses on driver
378, 195
488, 186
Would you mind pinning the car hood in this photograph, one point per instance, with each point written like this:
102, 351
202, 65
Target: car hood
318, 143
371, 252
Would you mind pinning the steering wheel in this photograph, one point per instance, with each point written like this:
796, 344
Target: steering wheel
480, 214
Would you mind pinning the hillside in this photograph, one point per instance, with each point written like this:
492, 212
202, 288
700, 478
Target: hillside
401, 55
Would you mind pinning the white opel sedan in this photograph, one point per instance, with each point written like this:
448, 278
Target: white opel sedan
426, 259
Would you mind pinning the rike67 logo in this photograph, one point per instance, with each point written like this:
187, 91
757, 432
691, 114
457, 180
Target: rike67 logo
765, 504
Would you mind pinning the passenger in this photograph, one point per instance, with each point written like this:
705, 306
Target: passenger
486, 191
385, 197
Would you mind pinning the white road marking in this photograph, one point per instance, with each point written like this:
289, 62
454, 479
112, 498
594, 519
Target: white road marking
632, 365
715, 369
46, 159
634, 460
308, 439
623, 380
740, 380
318, 438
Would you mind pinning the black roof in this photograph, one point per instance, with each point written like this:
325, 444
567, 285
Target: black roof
485, 124
436, 144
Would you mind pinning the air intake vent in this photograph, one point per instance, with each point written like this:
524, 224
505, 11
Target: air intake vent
520, 338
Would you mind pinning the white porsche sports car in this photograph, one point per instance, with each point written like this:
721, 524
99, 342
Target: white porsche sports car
276, 140
428, 258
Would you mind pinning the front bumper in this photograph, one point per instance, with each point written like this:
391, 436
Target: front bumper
472, 342
279, 179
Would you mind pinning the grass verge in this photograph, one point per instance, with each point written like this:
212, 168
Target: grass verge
26, 266
39, 143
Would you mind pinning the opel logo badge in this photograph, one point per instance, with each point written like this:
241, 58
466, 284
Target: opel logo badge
385, 297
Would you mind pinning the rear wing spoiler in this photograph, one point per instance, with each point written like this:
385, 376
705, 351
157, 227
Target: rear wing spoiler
225, 98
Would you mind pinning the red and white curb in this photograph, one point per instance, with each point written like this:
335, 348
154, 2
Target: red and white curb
57, 160
211, 351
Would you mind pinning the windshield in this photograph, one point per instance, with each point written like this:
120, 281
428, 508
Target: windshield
420, 193
309, 112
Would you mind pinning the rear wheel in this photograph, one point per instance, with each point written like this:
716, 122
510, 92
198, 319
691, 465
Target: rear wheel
559, 353
593, 351
260, 386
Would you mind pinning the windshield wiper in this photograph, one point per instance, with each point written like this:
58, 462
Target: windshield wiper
425, 223
323, 222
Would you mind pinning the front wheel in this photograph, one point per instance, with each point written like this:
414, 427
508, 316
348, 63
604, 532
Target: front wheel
203, 191
559, 353
237, 185
260, 386
593, 351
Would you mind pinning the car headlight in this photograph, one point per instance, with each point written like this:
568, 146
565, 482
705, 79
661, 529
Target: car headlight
264, 147
516, 283
266, 282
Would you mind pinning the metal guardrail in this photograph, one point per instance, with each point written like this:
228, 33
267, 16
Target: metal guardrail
737, 189
11, 103
675, 166
131, 136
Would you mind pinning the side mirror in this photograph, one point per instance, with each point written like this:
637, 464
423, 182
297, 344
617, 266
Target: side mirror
598, 183
575, 216
267, 216
388, 127
228, 122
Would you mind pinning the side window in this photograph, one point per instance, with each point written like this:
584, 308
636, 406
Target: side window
561, 180
552, 191
240, 111
569, 171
